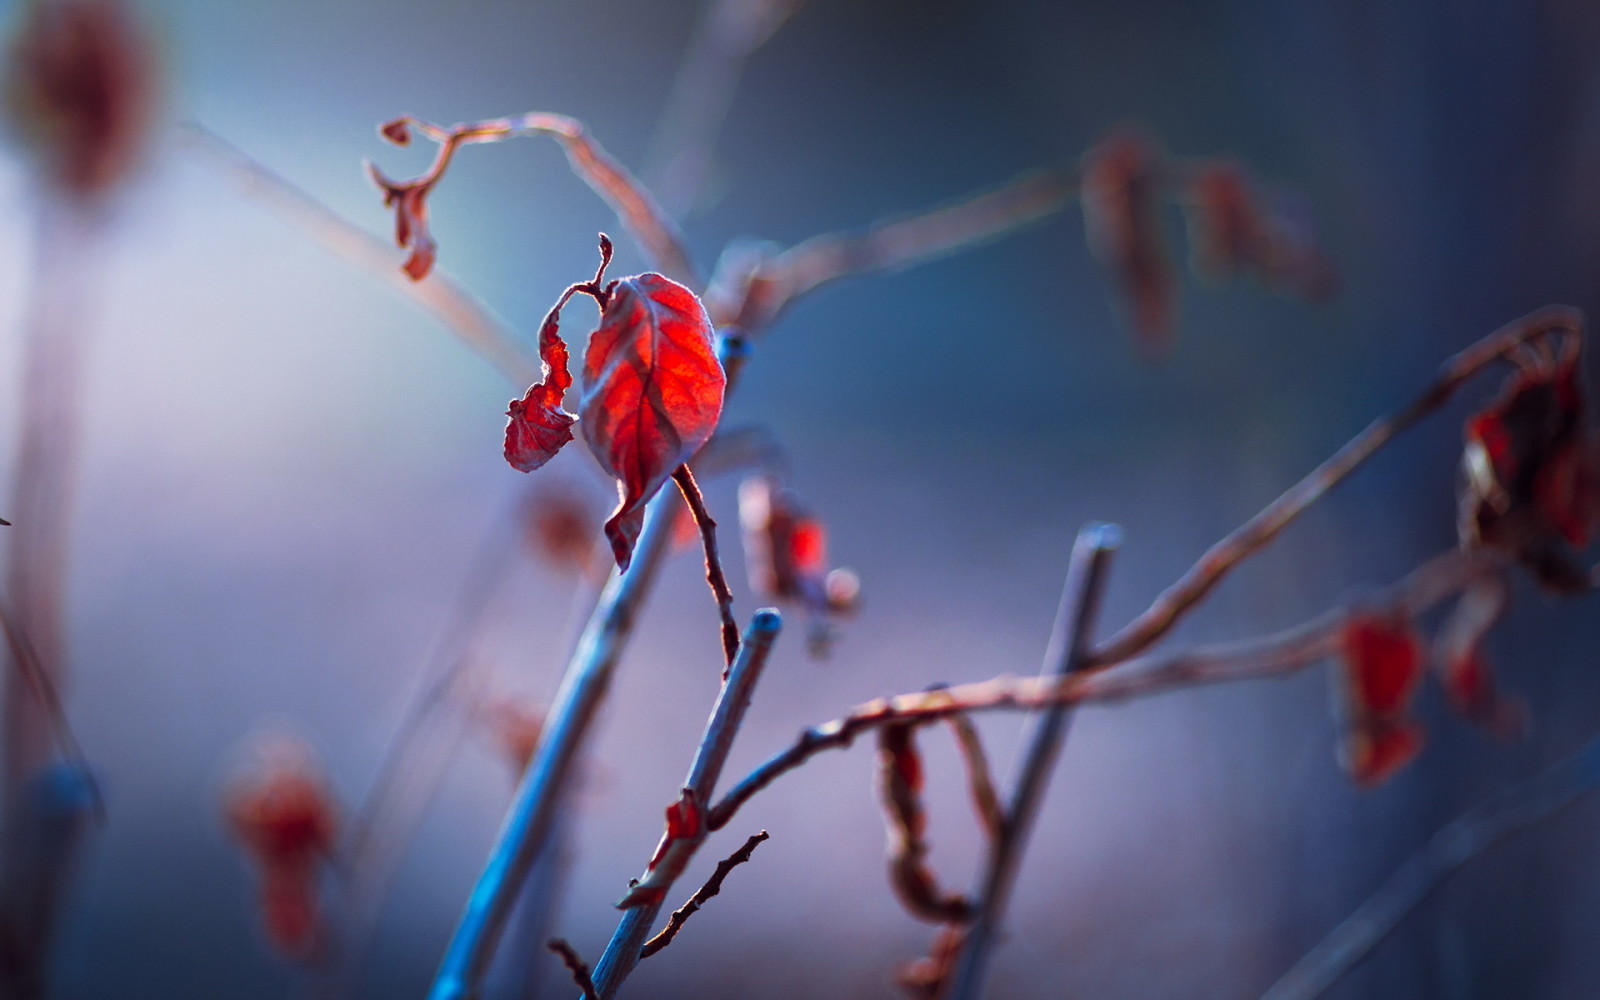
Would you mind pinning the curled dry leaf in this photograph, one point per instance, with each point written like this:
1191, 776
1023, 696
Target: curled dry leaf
1529, 478
1121, 187
1382, 666
1232, 232
900, 786
286, 821
81, 88
409, 199
538, 427
652, 395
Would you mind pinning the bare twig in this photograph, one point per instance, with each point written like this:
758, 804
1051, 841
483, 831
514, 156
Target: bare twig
714, 576
728, 33
713, 885
686, 826
1070, 642
1275, 655
462, 314
574, 964
1255, 533
635, 207
1471, 834
886, 246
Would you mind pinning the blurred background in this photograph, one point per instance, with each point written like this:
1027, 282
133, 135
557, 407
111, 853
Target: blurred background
288, 468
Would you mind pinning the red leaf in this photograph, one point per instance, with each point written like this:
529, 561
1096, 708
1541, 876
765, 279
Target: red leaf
80, 86
539, 427
652, 392
1382, 668
1120, 190
1464, 667
1529, 483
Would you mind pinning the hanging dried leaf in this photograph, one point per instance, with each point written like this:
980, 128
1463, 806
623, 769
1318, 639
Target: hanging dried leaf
539, 427
1529, 481
1382, 668
1121, 200
1227, 233
285, 819
1463, 665
81, 87
652, 395
786, 556
900, 787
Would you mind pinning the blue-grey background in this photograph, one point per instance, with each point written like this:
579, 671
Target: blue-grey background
288, 468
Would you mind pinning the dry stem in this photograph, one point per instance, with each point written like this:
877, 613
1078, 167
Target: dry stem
713, 885
714, 576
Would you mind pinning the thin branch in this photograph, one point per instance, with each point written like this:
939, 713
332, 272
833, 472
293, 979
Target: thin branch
1066, 655
531, 817
1255, 533
636, 208
1274, 655
713, 885
686, 826
470, 320
714, 576
1479, 829
727, 34
574, 964
885, 246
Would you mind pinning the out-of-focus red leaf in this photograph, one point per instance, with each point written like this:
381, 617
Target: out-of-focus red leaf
1227, 233
1121, 201
1529, 482
538, 427
515, 725
652, 394
1383, 665
560, 525
285, 819
1463, 665
786, 555
81, 86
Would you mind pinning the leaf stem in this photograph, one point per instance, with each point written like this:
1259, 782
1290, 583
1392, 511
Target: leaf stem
714, 575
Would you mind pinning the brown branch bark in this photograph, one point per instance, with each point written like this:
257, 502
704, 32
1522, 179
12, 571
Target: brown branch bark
575, 965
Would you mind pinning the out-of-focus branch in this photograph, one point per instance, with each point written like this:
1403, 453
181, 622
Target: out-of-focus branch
461, 313
635, 206
1254, 534
726, 36
686, 826
761, 287
713, 885
1274, 655
1066, 655
1471, 834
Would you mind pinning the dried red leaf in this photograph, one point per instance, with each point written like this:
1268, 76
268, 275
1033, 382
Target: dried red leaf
1464, 667
539, 427
1529, 484
653, 391
1227, 232
926, 977
786, 556
410, 203
81, 86
1120, 192
1382, 668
